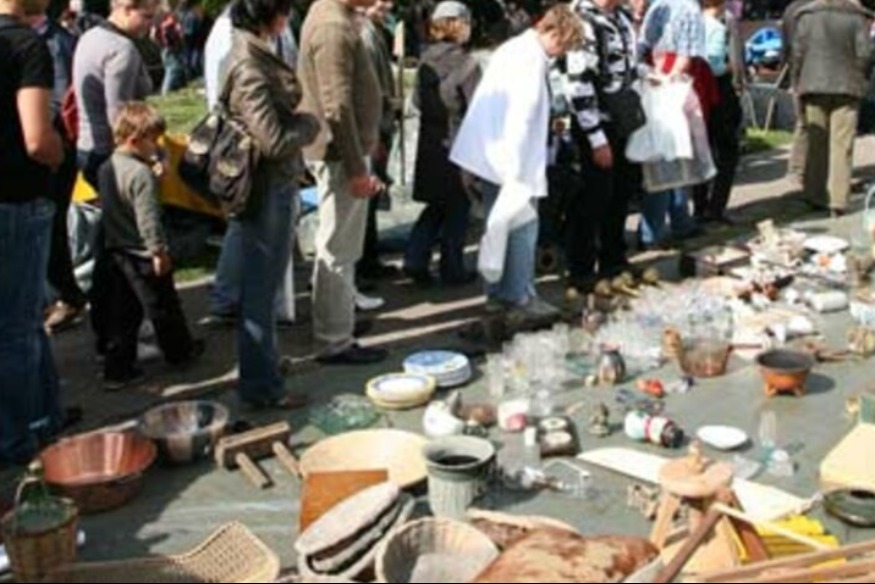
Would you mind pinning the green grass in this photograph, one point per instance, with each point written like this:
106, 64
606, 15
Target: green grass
182, 109
761, 141
197, 268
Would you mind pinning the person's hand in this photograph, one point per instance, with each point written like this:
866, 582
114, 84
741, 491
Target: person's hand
161, 263
603, 157
469, 183
364, 186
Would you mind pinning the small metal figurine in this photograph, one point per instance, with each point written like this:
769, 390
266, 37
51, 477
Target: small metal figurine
599, 421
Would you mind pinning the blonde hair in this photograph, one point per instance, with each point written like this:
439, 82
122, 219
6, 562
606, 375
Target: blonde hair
451, 30
137, 120
565, 23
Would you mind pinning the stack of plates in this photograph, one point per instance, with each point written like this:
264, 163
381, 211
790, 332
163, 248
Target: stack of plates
400, 391
448, 368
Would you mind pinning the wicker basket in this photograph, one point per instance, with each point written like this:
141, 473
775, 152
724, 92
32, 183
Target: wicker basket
34, 553
434, 550
231, 554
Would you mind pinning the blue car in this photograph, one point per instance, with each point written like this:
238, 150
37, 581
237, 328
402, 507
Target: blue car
764, 47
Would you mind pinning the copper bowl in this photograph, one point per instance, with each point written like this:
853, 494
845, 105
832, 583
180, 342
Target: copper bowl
785, 370
99, 471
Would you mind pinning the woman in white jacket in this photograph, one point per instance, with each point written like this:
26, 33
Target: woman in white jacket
503, 142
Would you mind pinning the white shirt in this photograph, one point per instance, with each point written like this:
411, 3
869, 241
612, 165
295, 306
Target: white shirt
218, 48
503, 137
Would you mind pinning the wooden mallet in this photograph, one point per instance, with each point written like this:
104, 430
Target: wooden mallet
242, 450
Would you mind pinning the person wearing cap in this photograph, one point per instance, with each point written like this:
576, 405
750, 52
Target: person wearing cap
445, 82
503, 142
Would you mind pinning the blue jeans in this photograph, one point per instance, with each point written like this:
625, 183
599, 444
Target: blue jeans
175, 76
446, 223
225, 292
265, 247
30, 409
517, 284
655, 207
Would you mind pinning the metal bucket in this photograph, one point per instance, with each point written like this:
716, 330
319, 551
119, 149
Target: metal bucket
458, 470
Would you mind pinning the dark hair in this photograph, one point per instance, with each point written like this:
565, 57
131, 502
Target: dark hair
254, 15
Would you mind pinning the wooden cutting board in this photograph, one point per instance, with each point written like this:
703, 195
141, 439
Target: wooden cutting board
852, 462
323, 490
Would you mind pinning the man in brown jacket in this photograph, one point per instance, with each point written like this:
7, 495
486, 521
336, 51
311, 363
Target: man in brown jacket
341, 88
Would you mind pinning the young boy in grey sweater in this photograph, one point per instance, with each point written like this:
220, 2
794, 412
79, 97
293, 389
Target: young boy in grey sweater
139, 270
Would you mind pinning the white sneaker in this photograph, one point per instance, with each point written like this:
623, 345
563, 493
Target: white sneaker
366, 303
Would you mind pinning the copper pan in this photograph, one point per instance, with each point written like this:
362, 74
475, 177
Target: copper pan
99, 471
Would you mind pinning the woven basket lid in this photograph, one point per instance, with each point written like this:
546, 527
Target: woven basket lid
397, 451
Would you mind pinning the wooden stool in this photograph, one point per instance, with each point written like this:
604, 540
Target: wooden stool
699, 483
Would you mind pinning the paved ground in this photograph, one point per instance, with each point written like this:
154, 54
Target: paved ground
180, 506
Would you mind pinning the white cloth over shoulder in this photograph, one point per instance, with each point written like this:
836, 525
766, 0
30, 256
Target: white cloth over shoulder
503, 139
513, 209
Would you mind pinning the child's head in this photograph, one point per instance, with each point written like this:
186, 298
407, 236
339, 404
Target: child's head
137, 128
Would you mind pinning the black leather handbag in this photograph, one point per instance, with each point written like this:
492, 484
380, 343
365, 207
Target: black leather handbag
220, 159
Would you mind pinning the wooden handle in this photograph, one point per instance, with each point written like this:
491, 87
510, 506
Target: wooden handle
692, 543
287, 459
255, 475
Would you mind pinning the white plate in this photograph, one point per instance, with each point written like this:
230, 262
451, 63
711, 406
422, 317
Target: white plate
722, 437
828, 244
396, 387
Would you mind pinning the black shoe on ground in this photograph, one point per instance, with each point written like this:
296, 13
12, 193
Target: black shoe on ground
133, 377
355, 354
421, 278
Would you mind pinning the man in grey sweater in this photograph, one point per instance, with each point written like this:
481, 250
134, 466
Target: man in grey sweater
108, 71
830, 67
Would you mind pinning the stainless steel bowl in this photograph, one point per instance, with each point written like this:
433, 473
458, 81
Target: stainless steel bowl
185, 431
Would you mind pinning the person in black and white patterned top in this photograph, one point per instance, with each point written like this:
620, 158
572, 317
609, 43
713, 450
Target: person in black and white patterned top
602, 67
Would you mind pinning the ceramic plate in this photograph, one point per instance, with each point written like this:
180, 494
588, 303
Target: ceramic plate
400, 387
828, 244
435, 362
722, 437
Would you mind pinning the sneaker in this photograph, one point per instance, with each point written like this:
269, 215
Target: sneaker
61, 316
134, 377
366, 303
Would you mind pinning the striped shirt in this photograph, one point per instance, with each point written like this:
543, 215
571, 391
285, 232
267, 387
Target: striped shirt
585, 77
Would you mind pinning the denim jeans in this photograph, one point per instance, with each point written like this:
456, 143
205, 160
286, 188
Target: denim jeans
655, 207
264, 243
517, 284
30, 408
444, 223
175, 75
225, 293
